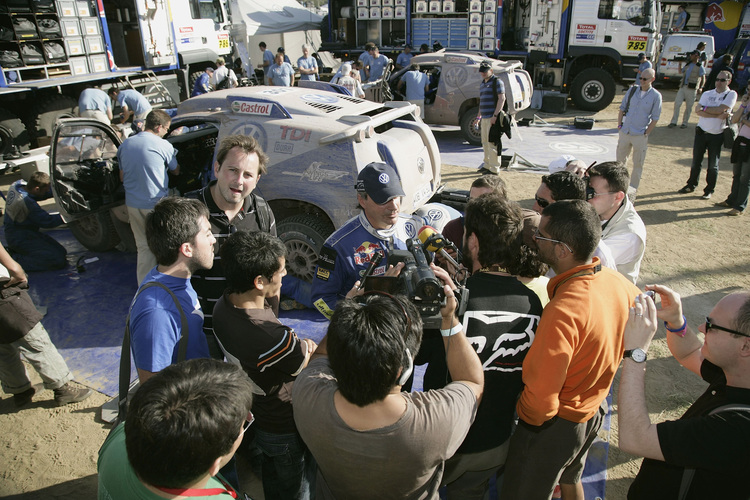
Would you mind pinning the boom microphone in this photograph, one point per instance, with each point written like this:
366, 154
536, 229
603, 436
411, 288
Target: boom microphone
436, 242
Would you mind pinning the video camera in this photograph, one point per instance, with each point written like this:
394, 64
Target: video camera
418, 282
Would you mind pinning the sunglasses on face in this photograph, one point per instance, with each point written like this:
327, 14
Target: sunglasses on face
722, 79
644, 79
713, 326
541, 202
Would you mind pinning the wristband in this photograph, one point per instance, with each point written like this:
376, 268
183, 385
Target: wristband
679, 331
449, 333
743, 106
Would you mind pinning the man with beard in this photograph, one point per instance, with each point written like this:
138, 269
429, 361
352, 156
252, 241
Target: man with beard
180, 238
500, 321
570, 366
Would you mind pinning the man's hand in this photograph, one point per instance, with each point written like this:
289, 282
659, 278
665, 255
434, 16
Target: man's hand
449, 309
17, 275
355, 291
641, 325
394, 271
493, 119
671, 305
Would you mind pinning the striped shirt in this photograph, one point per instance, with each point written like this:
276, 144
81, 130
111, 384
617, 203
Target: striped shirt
487, 101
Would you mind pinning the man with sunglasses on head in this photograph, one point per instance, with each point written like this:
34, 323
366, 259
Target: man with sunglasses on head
571, 363
623, 230
370, 439
713, 109
567, 185
639, 112
704, 453
183, 425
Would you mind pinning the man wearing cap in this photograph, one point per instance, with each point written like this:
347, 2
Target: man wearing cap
379, 228
202, 84
639, 112
404, 58
643, 64
491, 101
693, 78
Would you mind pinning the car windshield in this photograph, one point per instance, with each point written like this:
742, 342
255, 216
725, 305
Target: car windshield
84, 143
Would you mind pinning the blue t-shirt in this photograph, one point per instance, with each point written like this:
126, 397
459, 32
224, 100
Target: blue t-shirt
134, 101
144, 159
377, 65
487, 96
307, 63
365, 57
415, 82
643, 67
156, 326
404, 59
94, 99
267, 56
281, 75
201, 85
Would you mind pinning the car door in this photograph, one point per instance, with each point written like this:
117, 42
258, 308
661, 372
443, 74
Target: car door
84, 170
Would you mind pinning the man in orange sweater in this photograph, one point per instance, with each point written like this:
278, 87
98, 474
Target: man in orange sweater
570, 366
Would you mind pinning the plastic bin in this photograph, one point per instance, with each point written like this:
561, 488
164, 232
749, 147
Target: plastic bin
98, 63
79, 65
74, 47
94, 44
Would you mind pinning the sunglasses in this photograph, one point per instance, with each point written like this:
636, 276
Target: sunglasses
644, 79
541, 202
248, 421
537, 236
722, 79
591, 193
712, 326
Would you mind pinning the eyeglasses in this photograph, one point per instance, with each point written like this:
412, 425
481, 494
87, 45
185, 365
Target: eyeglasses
722, 79
591, 193
538, 237
712, 326
641, 78
248, 421
541, 202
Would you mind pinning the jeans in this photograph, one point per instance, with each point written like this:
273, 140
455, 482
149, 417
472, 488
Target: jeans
38, 350
706, 142
289, 468
36, 251
740, 185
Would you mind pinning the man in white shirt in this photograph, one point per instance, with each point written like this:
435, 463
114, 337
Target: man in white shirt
713, 109
622, 228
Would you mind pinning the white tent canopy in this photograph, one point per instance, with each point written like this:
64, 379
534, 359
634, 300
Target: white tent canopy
272, 16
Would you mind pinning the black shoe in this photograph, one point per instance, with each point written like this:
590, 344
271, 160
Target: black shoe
66, 395
23, 398
687, 189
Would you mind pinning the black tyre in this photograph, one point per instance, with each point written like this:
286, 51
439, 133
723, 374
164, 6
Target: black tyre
96, 232
49, 110
471, 133
303, 236
12, 132
191, 81
593, 89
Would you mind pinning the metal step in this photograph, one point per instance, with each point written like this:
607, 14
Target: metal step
147, 83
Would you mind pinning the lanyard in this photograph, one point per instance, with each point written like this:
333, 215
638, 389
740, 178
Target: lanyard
201, 492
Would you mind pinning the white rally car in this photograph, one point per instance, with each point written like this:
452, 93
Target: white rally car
317, 142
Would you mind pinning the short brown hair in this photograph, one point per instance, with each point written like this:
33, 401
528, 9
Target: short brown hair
248, 144
156, 118
38, 179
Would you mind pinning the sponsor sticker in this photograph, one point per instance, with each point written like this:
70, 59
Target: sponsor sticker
283, 147
320, 98
323, 274
637, 43
252, 108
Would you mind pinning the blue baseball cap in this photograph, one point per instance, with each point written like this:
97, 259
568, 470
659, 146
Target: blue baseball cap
380, 182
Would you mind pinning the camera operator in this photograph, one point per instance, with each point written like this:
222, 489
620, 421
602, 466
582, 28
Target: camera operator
379, 228
371, 440
500, 320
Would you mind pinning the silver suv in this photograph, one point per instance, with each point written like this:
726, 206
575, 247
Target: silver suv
317, 142
454, 85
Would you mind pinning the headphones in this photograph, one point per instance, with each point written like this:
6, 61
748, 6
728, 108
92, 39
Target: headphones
408, 370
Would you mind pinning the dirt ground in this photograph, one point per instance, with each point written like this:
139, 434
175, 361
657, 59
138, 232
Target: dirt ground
50, 452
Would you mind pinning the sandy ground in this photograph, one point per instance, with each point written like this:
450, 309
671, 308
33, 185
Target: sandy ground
50, 452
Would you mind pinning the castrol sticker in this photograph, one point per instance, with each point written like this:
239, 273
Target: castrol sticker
252, 108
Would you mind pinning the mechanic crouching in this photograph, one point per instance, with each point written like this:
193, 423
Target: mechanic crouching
378, 229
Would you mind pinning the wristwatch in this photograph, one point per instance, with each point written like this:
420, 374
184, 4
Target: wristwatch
638, 355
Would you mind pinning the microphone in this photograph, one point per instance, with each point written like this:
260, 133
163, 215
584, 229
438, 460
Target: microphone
374, 261
436, 242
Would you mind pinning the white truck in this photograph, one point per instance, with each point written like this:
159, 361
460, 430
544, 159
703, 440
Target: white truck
50, 50
582, 47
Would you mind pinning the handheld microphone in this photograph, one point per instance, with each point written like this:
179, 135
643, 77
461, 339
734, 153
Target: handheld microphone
374, 262
436, 242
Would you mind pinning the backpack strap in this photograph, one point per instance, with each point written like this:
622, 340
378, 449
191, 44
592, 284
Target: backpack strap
627, 103
125, 353
264, 213
687, 475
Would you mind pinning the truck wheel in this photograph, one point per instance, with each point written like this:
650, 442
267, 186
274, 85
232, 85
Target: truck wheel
49, 111
12, 132
96, 232
471, 133
303, 236
192, 79
593, 89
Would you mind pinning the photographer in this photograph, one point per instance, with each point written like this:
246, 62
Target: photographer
370, 439
500, 321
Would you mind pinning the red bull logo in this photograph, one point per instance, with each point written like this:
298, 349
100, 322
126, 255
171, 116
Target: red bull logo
714, 14
363, 254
